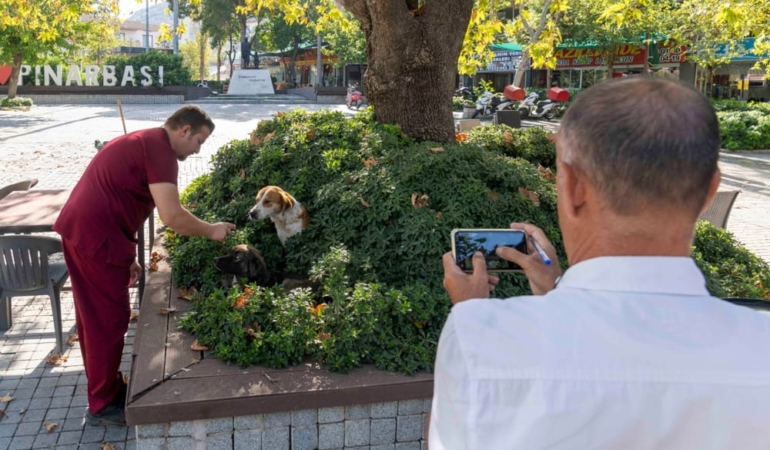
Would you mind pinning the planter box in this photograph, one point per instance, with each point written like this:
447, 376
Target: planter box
180, 398
468, 111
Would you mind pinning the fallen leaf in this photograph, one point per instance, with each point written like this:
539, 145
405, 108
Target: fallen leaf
309, 135
252, 333
438, 215
268, 137
243, 173
167, 310
198, 347
50, 426
418, 201
22, 412
494, 196
153, 267
546, 173
461, 137
6, 399
323, 336
72, 339
279, 114
317, 309
126, 378
134, 315
363, 202
254, 139
436, 149
56, 359
370, 162
508, 137
108, 446
532, 195
269, 378
186, 293
156, 257
241, 302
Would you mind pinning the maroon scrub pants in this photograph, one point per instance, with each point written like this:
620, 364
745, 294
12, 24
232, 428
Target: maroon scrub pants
102, 311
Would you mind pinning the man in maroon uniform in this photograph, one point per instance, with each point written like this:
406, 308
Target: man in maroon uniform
129, 177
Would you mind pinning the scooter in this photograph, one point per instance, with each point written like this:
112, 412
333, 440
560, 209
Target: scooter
531, 107
354, 97
489, 103
466, 93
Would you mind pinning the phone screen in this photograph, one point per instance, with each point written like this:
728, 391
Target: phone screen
467, 242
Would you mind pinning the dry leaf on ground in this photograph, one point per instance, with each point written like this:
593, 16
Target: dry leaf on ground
153, 267
108, 446
21, 413
6, 399
508, 137
546, 173
72, 339
186, 293
167, 310
436, 149
50, 426
156, 257
134, 315
418, 201
494, 196
56, 359
126, 378
532, 195
370, 162
323, 336
196, 347
363, 202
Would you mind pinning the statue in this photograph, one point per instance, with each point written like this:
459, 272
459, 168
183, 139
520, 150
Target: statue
245, 52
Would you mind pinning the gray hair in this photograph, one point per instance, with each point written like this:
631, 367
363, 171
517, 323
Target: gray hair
644, 142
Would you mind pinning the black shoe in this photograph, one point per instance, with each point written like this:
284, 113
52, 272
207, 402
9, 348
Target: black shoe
120, 399
112, 415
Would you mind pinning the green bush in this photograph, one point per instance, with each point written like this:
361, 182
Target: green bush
175, 73
381, 211
457, 103
730, 269
532, 144
17, 102
744, 130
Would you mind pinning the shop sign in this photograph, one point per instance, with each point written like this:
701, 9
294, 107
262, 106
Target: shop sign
504, 61
628, 55
55, 75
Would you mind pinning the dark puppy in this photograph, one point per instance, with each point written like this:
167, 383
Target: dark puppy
244, 261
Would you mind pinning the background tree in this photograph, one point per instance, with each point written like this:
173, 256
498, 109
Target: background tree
31, 31
196, 54
286, 38
345, 38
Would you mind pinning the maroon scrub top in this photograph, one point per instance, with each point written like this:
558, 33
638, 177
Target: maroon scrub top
112, 199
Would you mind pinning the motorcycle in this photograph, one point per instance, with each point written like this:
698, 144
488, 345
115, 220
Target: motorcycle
489, 103
531, 107
354, 97
466, 93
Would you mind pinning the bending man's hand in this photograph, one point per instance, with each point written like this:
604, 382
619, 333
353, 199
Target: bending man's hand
462, 286
542, 277
220, 230
135, 271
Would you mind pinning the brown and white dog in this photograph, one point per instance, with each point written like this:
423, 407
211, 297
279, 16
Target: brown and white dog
244, 261
289, 216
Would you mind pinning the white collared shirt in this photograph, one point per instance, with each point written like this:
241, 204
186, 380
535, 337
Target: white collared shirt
626, 353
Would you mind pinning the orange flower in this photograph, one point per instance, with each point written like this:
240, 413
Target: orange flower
317, 310
241, 302
461, 137
248, 291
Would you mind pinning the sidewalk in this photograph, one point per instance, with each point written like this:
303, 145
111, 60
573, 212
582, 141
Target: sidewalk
55, 144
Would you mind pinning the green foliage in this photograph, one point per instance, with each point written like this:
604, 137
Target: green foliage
457, 103
17, 102
175, 73
381, 211
531, 144
744, 130
730, 269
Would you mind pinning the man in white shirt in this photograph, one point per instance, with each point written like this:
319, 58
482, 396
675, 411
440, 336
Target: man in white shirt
627, 350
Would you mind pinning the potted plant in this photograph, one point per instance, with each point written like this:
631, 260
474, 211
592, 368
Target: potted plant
469, 107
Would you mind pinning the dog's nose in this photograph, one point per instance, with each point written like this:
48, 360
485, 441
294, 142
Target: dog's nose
253, 214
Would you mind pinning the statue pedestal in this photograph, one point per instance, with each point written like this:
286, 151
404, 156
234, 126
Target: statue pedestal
250, 82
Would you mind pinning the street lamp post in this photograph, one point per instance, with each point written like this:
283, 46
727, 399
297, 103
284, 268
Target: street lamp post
176, 24
147, 26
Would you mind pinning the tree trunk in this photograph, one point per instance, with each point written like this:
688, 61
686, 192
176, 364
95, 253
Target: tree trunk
13, 84
412, 61
219, 61
522, 69
202, 49
293, 63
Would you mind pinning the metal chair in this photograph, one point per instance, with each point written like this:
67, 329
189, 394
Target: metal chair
720, 208
26, 271
753, 303
20, 186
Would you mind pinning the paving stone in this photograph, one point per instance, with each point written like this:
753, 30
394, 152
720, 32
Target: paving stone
304, 438
45, 440
92, 435
180, 443
253, 422
407, 407
357, 432
22, 443
408, 445
18, 405
331, 435
69, 391
276, 438
247, 439
383, 431
221, 425
56, 414
409, 428
383, 447
73, 424
28, 429
180, 428
357, 412
69, 437
150, 431
61, 402
304, 418
39, 403
151, 444
115, 434
277, 420
383, 410
427, 404
7, 430
4, 443
28, 383
47, 382
22, 394
79, 400
35, 415
330, 415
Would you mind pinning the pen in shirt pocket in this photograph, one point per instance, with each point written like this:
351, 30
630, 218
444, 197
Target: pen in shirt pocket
540, 251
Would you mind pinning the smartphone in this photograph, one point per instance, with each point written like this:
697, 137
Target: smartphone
465, 242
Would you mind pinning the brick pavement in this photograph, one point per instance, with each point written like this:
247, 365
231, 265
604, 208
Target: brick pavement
55, 143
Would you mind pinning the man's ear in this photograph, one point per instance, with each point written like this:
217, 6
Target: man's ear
573, 186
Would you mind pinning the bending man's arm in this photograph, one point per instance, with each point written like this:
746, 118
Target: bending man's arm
179, 219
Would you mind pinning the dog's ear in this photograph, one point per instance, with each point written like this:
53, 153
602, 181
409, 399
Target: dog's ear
287, 201
261, 193
257, 269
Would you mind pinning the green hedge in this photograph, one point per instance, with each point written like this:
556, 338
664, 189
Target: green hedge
17, 102
175, 73
743, 126
381, 210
